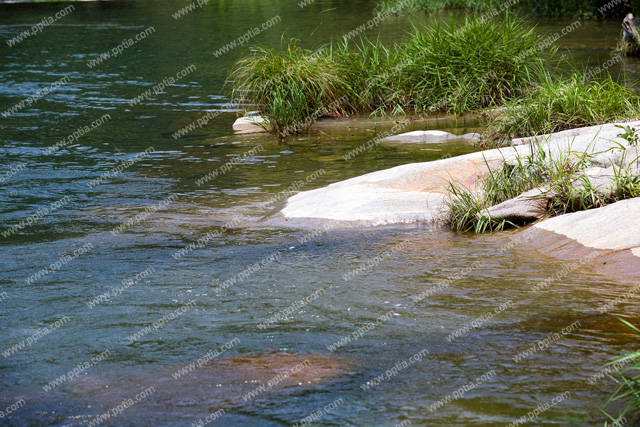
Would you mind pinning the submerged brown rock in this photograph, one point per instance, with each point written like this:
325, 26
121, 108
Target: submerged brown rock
204, 387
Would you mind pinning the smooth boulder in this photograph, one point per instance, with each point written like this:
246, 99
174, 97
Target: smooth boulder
251, 123
197, 388
429, 136
407, 193
612, 227
606, 239
528, 206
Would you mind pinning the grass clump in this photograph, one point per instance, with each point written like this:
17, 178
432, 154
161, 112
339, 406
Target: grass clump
466, 206
406, 6
574, 191
454, 68
367, 68
556, 104
626, 373
469, 66
289, 86
561, 177
571, 190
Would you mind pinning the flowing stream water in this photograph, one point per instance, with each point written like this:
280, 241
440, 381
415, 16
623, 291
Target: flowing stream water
368, 284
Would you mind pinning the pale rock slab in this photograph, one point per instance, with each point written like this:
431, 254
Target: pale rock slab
251, 123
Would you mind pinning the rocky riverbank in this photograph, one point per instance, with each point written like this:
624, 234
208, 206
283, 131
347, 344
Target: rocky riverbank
417, 193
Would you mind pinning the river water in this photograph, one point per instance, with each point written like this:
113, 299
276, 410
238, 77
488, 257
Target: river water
366, 284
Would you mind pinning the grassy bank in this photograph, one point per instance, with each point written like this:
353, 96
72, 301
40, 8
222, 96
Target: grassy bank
547, 8
561, 177
454, 68
436, 5
555, 104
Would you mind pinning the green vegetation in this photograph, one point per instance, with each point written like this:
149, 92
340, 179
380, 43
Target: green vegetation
453, 68
289, 85
549, 8
627, 375
469, 66
630, 135
560, 177
625, 48
465, 206
407, 6
555, 104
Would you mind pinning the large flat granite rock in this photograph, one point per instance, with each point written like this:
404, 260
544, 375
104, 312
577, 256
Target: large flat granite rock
429, 136
613, 227
407, 193
416, 192
606, 239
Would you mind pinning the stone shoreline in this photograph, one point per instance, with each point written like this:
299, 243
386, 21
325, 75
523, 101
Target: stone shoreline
416, 193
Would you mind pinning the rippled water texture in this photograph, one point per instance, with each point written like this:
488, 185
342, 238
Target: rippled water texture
226, 340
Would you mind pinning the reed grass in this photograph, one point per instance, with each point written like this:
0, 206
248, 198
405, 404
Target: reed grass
289, 85
560, 176
555, 104
456, 67
626, 374
465, 206
470, 65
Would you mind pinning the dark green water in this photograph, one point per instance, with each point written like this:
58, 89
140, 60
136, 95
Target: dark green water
89, 214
